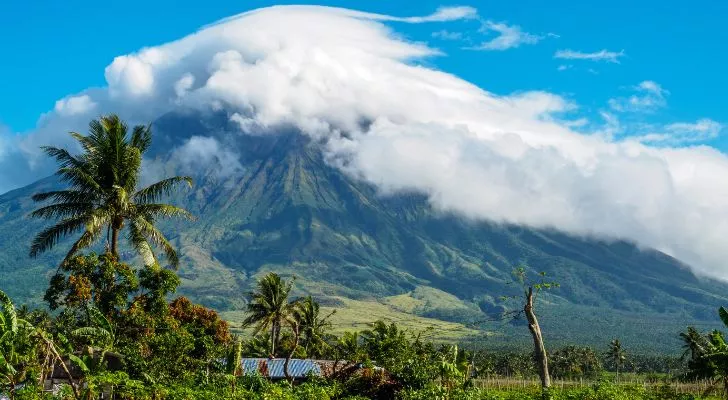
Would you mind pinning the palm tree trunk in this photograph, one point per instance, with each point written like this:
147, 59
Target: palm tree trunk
273, 335
539, 347
114, 240
290, 355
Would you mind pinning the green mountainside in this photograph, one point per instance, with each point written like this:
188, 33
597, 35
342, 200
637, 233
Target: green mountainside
376, 256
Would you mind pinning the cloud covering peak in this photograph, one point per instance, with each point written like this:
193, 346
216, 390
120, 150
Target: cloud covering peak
511, 159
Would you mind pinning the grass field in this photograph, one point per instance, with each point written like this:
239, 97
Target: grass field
355, 315
700, 388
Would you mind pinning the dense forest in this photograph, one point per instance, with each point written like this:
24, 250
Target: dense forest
114, 328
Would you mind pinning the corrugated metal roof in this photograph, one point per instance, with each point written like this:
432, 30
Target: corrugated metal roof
273, 368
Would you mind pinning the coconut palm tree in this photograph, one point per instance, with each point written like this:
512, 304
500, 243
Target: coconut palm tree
103, 195
313, 327
269, 307
616, 355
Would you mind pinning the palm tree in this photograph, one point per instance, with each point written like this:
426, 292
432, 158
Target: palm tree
269, 307
313, 327
616, 355
349, 347
103, 195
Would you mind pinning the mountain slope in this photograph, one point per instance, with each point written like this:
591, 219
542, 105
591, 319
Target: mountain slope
288, 210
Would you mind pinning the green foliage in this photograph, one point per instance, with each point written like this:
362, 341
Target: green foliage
708, 354
97, 279
574, 362
17, 346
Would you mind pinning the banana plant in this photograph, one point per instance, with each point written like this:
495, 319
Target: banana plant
101, 333
101, 338
234, 363
16, 350
709, 355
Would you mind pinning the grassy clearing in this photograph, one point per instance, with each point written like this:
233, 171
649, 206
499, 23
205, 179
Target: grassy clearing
355, 315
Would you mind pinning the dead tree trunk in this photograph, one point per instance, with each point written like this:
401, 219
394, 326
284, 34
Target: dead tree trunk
57, 356
540, 349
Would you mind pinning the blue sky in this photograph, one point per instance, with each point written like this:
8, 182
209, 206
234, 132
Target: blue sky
53, 49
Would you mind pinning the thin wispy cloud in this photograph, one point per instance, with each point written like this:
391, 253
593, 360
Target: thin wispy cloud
602, 55
649, 97
444, 14
508, 36
683, 133
444, 34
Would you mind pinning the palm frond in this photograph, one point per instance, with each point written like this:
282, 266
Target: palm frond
62, 210
155, 236
154, 210
62, 196
140, 243
79, 178
62, 156
141, 137
162, 188
48, 238
87, 239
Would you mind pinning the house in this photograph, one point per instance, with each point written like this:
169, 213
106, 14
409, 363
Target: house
58, 376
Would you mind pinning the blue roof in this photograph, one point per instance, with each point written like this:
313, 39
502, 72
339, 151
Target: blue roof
273, 368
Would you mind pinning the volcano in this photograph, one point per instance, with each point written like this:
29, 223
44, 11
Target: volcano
285, 207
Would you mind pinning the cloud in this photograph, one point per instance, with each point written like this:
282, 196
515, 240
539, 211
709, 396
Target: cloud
443, 14
682, 133
74, 105
603, 55
509, 36
382, 116
564, 67
650, 97
206, 153
444, 34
